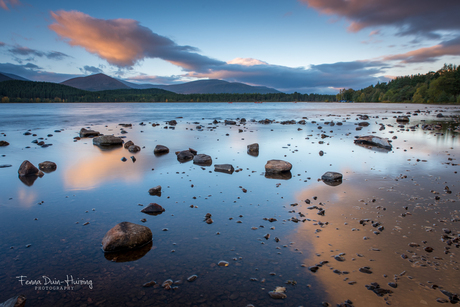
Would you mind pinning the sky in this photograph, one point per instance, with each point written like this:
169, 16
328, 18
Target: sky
305, 46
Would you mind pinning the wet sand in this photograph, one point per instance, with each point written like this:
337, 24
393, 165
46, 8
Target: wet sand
395, 215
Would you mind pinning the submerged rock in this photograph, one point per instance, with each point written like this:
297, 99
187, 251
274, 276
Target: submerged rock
126, 236
107, 140
373, 141
277, 166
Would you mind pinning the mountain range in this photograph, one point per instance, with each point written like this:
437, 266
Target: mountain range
101, 82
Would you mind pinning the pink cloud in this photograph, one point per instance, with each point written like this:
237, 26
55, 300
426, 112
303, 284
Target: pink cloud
4, 4
124, 42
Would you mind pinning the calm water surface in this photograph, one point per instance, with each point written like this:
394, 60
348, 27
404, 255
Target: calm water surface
412, 191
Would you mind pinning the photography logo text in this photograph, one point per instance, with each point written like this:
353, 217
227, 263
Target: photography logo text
47, 283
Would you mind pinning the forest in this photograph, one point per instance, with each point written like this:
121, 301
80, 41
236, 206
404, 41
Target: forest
442, 86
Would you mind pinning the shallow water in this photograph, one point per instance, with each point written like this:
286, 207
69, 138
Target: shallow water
93, 185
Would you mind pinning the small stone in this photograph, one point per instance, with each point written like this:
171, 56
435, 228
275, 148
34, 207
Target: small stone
222, 263
192, 278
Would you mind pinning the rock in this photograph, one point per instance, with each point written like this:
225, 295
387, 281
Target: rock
193, 151
153, 209
160, 150
126, 236
28, 169
202, 159
4, 143
402, 119
332, 176
172, 122
134, 148
107, 140
253, 149
5, 165
184, 156
373, 141
149, 284
129, 143
365, 269
375, 287
230, 122
277, 295
17, 301
313, 268
277, 166
192, 278
47, 166
155, 191
222, 263
224, 168
85, 133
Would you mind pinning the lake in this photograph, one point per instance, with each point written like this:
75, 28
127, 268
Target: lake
387, 234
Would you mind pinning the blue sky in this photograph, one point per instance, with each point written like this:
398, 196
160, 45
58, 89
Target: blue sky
308, 46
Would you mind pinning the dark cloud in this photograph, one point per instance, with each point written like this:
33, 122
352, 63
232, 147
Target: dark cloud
124, 42
33, 72
90, 70
428, 54
31, 53
410, 17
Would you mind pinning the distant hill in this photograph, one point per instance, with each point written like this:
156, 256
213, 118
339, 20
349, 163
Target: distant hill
94, 83
101, 82
214, 86
5, 77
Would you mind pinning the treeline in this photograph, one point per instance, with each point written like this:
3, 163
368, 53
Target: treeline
28, 91
442, 86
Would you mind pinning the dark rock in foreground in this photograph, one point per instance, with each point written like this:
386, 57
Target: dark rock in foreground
85, 133
126, 236
107, 140
224, 168
277, 166
373, 141
17, 301
161, 149
202, 159
4, 143
47, 166
153, 209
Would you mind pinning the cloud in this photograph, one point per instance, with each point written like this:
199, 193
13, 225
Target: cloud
428, 54
124, 42
2, 44
4, 4
34, 72
155, 79
25, 51
91, 70
317, 78
247, 62
410, 17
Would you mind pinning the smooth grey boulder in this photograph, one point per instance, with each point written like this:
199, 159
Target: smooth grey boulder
107, 140
126, 236
202, 159
277, 166
224, 168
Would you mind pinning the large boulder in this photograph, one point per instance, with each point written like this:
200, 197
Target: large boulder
277, 166
85, 133
17, 301
107, 140
126, 236
47, 166
160, 150
184, 156
202, 159
153, 209
373, 141
28, 169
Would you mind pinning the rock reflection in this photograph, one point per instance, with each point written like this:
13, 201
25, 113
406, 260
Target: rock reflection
128, 256
282, 175
333, 183
28, 180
